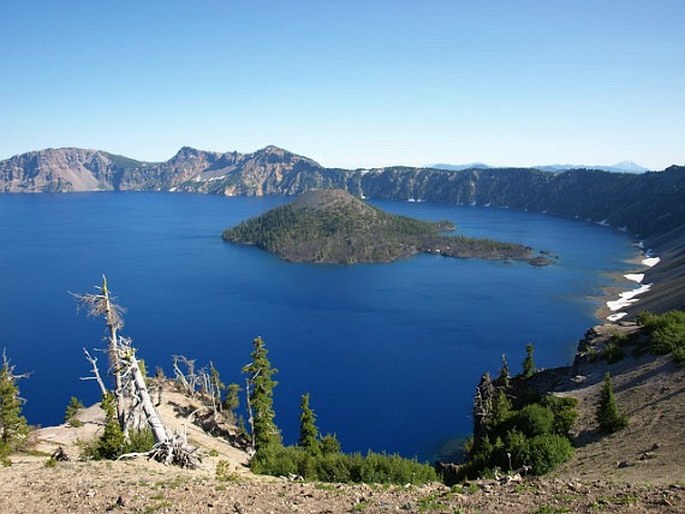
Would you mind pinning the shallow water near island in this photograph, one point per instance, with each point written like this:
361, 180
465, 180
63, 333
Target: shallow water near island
390, 353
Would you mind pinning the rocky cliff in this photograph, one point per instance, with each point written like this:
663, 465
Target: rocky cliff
647, 204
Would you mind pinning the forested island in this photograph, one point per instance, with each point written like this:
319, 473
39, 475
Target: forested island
333, 226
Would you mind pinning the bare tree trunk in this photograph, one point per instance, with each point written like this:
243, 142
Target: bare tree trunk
153, 419
96, 372
102, 304
113, 323
250, 415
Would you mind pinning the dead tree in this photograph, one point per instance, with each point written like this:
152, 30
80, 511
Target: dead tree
131, 369
187, 379
96, 372
249, 385
204, 384
134, 405
102, 304
482, 406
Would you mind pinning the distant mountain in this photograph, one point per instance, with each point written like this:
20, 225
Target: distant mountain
459, 167
332, 226
232, 173
620, 167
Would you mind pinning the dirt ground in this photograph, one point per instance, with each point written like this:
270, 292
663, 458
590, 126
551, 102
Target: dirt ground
144, 487
651, 450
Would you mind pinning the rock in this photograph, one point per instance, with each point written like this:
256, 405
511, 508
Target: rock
60, 455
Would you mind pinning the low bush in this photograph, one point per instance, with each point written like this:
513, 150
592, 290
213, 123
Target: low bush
140, 441
533, 419
339, 467
564, 410
547, 451
613, 352
666, 333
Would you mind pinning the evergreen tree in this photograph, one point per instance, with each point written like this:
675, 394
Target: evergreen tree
13, 426
502, 409
261, 385
72, 409
504, 376
232, 400
609, 418
111, 442
330, 444
529, 368
309, 433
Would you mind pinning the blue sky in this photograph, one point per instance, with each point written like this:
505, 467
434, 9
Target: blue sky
355, 83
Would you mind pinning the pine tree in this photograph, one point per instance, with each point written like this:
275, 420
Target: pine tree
111, 442
502, 409
529, 368
232, 400
260, 393
309, 433
13, 426
72, 409
503, 379
609, 418
330, 444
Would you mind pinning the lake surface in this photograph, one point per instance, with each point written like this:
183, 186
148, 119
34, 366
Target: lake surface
391, 353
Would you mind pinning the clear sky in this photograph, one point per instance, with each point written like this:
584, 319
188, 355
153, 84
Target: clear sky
349, 83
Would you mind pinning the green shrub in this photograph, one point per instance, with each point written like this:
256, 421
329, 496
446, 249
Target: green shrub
613, 352
564, 410
338, 467
139, 441
276, 460
518, 448
666, 333
546, 452
679, 355
533, 419
330, 444
224, 473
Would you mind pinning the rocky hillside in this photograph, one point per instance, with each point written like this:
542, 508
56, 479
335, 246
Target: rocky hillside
267, 171
332, 226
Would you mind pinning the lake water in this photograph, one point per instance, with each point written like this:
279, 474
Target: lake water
390, 353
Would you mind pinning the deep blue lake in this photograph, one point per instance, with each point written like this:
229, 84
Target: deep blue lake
391, 353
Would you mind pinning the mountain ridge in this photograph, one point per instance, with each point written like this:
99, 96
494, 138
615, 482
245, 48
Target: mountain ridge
621, 200
626, 166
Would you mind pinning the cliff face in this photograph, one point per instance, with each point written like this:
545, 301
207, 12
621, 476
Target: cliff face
644, 204
56, 170
647, 204
270, 171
